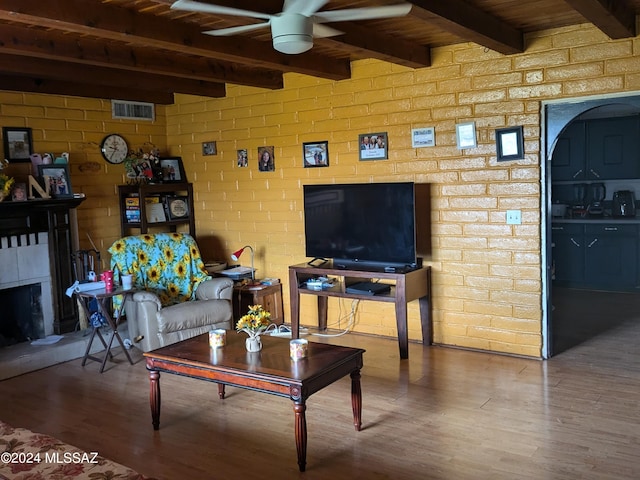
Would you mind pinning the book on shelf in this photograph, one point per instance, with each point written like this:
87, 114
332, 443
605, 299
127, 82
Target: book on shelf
132, 216
132, 208
132, 202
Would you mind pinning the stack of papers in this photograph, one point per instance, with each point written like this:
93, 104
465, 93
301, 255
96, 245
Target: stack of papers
236, 272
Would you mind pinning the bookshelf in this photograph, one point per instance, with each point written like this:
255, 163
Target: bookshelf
156, 207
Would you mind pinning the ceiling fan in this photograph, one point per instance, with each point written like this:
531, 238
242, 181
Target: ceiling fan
293, 29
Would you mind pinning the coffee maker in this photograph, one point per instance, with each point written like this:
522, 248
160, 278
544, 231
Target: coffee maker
597, 193
578, 204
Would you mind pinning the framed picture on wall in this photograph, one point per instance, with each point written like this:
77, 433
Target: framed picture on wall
56, 180
423, 137
242, 157
172, 170
316, 154
466, 135
373, 146
509, 144
266, 162
18, 144
209, 148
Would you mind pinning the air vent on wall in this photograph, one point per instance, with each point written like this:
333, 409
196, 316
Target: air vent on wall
132, 110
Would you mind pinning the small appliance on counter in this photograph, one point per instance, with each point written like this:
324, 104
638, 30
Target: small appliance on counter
578, 205
597, 193
558, 210
623, 204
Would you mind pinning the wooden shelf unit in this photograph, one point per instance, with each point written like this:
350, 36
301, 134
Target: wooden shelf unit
149, 190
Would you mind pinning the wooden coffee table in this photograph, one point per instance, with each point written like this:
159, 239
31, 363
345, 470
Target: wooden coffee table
268, 371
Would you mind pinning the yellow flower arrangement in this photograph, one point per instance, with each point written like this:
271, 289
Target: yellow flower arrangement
255, 321
6, 183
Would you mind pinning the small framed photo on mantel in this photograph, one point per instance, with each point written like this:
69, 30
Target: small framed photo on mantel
56, 180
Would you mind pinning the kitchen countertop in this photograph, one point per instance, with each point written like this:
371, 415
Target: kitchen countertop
595, 220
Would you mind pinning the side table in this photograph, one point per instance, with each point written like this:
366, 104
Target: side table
269, 296
101, 296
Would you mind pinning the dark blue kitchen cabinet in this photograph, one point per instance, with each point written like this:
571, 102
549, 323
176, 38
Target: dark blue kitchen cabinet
569, 155
598, 149
613, 148
568, 254
598, 256
611, 261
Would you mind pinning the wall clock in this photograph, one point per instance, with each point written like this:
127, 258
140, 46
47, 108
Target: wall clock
114, 148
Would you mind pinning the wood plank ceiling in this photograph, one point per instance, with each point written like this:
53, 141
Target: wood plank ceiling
141, 50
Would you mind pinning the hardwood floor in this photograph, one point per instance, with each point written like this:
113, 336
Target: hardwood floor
443, 414
580, 315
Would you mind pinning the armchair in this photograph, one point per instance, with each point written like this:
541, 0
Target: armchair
177, 299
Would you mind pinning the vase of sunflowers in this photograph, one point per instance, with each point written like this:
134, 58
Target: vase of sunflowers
253, 324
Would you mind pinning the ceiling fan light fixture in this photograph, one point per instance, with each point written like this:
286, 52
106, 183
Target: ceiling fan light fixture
292, 44
292, 33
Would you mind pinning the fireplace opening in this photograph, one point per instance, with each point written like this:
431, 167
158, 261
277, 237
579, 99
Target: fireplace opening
22, 319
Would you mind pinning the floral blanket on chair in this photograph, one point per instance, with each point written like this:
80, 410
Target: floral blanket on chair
168, 264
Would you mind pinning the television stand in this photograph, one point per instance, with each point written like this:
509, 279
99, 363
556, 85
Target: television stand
405, 287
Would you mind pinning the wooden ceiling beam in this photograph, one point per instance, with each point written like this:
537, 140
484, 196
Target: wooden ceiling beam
364, 43
56, 46
470, 24
18, 83
52, 69
91, 17
614, 18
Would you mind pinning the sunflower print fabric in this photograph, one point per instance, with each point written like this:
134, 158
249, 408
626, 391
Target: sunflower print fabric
168, 264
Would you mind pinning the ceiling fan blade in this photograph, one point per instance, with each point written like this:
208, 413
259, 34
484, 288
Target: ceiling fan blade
367, 13
303, 7
223, 32
193, 6
324, 31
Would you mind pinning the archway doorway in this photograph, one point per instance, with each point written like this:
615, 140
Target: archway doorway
572, 315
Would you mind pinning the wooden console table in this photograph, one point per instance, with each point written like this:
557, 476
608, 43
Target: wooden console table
409, 286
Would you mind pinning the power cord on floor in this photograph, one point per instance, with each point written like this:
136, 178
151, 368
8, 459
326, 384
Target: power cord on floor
352, 321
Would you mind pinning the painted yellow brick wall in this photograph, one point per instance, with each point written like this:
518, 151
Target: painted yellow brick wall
486, 274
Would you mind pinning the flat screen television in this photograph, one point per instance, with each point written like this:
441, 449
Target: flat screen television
370, 226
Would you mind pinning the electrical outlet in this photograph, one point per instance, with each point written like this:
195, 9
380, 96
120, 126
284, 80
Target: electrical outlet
514, 217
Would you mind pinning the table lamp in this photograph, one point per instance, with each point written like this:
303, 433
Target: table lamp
236, 255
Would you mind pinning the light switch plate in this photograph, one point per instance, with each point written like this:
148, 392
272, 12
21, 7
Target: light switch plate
514, 217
